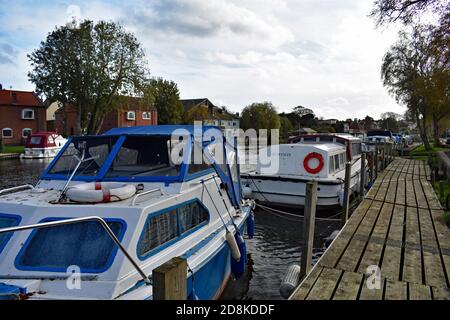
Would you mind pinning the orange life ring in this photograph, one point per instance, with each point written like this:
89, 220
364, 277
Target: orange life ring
313, 155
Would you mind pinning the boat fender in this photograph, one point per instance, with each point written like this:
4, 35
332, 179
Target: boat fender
238, 266
247, 192
251, 225
290, 281
235, 253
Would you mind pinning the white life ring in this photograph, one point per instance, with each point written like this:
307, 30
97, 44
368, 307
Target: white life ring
96, 192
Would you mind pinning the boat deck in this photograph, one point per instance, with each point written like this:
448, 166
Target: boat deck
399, 227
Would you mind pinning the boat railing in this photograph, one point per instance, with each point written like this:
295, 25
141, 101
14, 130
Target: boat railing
79, 220
14, 189
133, 202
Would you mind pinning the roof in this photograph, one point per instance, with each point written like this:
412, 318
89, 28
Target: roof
190, 103
163, 130
20, 98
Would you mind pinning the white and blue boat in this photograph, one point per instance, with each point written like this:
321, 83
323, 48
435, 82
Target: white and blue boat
109, 209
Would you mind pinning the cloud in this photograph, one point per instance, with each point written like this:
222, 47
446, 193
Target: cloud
8, 53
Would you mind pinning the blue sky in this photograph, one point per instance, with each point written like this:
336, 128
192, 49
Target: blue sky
323, 54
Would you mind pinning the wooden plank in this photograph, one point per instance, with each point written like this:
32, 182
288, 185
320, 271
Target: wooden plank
371, 294
410, 196
371, 256
420, 196
412, 266
441, 293
303, 289
326, 283
390, 267
433, 202
400, 197
348, 287
351, 256
395, 290
392, 190
419, 291
434, 272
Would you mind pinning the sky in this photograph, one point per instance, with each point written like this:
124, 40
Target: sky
321, 54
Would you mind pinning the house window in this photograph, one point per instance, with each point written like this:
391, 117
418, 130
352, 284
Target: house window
131, 115
27, 114
26, 132
7, 133
146, 115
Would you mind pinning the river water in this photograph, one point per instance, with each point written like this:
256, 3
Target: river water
276, 245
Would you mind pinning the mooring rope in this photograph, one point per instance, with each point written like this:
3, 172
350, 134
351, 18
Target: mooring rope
297, 216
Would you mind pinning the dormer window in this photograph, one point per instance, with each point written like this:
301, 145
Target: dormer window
28, 114
131, 115
146, 116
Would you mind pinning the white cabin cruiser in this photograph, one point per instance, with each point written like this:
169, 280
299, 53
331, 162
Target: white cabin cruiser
110, 209
41, 145
318, 157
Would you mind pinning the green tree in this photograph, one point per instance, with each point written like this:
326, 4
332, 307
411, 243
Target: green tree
389, 11
89, 65
260, 116
285, 127
198, 113
166, 97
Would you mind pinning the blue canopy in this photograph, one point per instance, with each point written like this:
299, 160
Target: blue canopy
157, 130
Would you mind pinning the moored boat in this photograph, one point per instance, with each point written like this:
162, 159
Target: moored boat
43, 145
110, 209
317, 157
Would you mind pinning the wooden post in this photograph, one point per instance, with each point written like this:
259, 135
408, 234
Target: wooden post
170, 280
383, 158
348, 171
308, 228
372, 168
362, 177
376, 161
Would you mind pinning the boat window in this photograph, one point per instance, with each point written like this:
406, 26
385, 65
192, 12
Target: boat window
158, 230
146, 156
197, 156
309, 139
35, 140
97, 147
356, 149
7, 221
331, 167
192, 215
341, 161
86, 245
336, 162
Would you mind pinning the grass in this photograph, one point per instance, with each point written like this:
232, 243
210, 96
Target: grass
421, 152
12, 149
442, 193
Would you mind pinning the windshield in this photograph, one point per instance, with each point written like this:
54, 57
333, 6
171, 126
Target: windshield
7, 221
97, 148
147, 156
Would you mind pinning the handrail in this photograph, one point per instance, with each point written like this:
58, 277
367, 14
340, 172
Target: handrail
133, 202
77, 220
28, 186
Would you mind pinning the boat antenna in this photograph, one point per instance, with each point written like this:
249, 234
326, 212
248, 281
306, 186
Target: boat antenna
82, 146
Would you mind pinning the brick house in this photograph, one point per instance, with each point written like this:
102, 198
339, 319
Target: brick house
21, 113
133, 113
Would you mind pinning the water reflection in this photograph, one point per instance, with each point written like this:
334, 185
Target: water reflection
16, 172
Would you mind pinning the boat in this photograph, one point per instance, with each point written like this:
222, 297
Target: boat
378, 137
311, 157
41, 145
109, 209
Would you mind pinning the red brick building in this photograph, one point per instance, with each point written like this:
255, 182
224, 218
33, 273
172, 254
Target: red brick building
21, 113
130, 115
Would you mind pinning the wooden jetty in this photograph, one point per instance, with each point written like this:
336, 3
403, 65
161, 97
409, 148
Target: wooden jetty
398, 227
9, 156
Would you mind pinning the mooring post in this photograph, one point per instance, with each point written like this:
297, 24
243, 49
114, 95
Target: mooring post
308, 228
372, 168
383, 158
362, 179
376, 161
170, 280
348, 171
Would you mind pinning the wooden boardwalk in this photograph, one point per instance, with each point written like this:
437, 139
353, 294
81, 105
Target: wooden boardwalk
398, 227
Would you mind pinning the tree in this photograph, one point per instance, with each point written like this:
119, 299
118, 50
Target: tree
418, 78
260, 116
166, 97
389, 11
390, 121
285, 127
198, 113
89, 66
